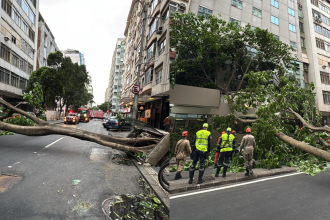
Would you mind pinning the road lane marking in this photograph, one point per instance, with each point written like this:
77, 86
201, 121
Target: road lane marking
53, 142
232, 186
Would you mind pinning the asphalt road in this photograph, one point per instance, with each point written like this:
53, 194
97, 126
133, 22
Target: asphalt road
293, 197
46, 189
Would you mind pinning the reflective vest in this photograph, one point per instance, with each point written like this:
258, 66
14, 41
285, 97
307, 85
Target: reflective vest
227, 143
202, 140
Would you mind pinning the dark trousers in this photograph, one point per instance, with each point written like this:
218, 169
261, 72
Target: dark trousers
224, 158
201, 156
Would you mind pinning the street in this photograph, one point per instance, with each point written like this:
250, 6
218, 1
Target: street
48, 166
291, 197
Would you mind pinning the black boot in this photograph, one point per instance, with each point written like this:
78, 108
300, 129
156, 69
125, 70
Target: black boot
224, 171
177, 176
247, 171
200, 177
218, 171
250, 169
191, 176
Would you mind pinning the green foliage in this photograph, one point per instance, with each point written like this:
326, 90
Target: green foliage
35, 98
6, 133
23, 121
105, 106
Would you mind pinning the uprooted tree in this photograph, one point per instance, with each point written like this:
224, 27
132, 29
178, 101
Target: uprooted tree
253, 70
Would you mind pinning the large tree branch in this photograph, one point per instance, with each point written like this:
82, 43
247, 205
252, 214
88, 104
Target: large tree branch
245, 120
324, 143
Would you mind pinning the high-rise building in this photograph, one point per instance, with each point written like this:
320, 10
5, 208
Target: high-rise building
46, 43
75, 55
154, 66
113, 93
19, 23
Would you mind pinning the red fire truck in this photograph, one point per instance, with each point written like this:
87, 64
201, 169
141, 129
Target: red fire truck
96, 114
83, 114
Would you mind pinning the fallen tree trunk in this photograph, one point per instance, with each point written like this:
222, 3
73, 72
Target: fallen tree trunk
159, 151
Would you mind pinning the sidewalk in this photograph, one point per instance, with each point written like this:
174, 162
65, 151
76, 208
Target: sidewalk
55, 122
181, 185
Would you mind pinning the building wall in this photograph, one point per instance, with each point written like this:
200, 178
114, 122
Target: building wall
24, 49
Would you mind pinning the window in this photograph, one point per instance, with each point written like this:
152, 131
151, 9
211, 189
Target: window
274, 20
30, 52
153, 5
292, 28
153, 27
323, 7
148, 75
5, 52
325, 19
159, 76
22, 83
300, 13
161, 46
6, 6
26, 8
4, 75
30, 69
317, 28
237, 3
15, 59
151, 50
14, 80
325, 78
319, 43
34, 2
23, 65
302, 41
235, 21
25, 27
204, 11
16, 17
24, 46
301, 27
31, 34
13, 39
326, 97
294, 45
166, 15
326, 32
173, 7
256, 12
315, 2
274, 3
291, 11
277, 37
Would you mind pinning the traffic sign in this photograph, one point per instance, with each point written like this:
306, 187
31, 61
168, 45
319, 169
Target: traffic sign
136, 89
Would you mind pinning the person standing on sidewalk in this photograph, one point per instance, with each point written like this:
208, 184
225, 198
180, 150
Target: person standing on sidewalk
167, 123
217, 153
248, 143
202, 142
225, 147
182, 150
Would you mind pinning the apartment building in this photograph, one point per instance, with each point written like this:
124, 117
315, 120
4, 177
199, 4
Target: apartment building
75, 55
19, 23
113, 92
315, 33
280, 17
46, 42
154, 74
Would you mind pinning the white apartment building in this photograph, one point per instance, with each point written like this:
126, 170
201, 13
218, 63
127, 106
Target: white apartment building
280, 17
75, 55
315, 32
113, 92
154, 74
46, 43
19, 23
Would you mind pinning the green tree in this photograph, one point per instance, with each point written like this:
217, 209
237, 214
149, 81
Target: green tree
105, 106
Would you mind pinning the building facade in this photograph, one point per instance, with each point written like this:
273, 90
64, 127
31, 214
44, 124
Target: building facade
19, 23
280, 18
113, 92
46, 42
154, 66
75, 55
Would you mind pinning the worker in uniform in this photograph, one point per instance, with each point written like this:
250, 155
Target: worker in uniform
202, 142
225, 146
248, 143
182, 150
217, 153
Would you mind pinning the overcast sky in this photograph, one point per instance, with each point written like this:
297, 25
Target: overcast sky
92, 27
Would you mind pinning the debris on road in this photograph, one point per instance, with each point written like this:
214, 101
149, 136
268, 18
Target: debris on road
75, 182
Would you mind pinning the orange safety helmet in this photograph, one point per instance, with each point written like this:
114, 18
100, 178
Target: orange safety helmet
248, 130
233, 132
185, 134
223, 132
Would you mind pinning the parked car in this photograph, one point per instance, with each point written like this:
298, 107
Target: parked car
71, 118
115, 124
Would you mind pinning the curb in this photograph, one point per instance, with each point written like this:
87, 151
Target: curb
210, 184
164, 198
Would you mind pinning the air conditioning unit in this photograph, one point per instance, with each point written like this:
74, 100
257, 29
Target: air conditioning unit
317, 20
159, 30
299, 5
6, 38
182, 7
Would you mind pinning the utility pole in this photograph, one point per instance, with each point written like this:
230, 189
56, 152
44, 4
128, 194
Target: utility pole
136, 96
